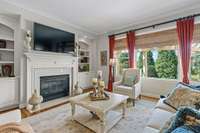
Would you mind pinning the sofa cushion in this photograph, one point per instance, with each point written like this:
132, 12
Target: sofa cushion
11, 116
159, 117
162, 105
150, 130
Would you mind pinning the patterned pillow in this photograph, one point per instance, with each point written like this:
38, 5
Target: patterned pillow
129, 80
183, 96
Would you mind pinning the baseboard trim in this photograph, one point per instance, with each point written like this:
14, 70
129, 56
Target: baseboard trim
149, 98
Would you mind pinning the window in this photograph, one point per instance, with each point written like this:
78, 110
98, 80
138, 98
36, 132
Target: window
121, 57
195, 55
195, 62
158, 62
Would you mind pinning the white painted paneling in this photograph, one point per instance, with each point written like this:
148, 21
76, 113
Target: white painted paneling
9, 93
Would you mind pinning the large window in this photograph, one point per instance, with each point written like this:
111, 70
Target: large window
195, 62
121, 57
158, 63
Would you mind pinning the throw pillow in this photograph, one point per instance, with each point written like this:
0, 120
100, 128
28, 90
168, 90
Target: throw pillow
183, 96
129, 80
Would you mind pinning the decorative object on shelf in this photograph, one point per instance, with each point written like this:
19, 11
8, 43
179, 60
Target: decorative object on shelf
112, 63
103, 58
98, 91
2, 44
35, 101
6, 70
28, 40
77, 89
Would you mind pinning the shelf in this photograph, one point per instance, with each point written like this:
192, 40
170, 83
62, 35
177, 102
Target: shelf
6, 62
6, 39
7, 49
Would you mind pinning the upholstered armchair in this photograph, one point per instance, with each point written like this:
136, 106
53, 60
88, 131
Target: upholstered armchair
131, 89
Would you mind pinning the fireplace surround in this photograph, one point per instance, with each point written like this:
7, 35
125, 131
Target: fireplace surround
41, 64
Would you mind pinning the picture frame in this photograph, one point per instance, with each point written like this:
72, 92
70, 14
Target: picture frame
103, 58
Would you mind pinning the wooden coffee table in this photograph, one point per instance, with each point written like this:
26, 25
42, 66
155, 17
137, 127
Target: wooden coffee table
106, 117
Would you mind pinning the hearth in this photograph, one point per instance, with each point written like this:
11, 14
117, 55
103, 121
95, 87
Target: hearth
53, 87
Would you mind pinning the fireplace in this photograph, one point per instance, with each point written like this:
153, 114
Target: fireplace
53, 87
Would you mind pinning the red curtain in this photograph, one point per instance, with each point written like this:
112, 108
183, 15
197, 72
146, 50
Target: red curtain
185, 29
131, 47
111, 52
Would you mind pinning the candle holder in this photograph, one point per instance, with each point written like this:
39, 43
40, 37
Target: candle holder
98, 92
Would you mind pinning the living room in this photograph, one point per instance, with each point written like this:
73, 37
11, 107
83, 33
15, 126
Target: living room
99, 66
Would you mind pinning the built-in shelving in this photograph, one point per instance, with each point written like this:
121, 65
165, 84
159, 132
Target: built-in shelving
6, 57
83, 57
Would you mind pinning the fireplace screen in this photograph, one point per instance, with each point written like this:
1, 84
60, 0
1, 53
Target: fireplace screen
53, 87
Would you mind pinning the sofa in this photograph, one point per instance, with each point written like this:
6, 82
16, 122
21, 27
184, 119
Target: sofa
161, 114
11, 122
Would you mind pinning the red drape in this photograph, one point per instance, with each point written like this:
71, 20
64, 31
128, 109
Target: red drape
111, 52
185, 29
131, 47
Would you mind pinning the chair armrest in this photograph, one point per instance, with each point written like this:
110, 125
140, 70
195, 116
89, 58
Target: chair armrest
117, 83
138, 88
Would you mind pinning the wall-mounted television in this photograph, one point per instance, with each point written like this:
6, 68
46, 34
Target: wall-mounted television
53, 40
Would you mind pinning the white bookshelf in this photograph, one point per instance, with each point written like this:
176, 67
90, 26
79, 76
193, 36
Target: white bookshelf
7, 56
83, 57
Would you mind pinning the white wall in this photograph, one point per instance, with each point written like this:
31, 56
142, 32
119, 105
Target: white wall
103, 44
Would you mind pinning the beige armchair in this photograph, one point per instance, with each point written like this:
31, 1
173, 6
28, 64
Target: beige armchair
133, 90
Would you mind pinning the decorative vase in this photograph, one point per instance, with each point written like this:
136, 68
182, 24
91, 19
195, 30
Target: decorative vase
6, 70
77, 89
35, 100
28, 40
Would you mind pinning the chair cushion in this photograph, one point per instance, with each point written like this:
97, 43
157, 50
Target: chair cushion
159, 118
124, 90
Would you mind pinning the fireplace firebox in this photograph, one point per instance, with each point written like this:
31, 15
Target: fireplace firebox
53, 87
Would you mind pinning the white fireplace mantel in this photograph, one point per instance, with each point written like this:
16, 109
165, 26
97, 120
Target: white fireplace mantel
53, 64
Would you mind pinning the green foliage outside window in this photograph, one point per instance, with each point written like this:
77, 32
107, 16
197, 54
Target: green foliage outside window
123, 61
151, 65
195, 66
166, 64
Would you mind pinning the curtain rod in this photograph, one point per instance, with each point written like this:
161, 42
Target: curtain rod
154, 25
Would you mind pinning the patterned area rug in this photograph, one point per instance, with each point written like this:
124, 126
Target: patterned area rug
58, 120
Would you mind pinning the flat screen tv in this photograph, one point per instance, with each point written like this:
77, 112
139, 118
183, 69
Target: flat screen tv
53, 40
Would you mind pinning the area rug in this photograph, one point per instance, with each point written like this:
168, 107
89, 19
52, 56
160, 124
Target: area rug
58, 120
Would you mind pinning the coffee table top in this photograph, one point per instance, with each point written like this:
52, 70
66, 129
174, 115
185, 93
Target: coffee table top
101, 105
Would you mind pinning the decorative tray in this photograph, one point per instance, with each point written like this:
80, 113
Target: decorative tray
95, 97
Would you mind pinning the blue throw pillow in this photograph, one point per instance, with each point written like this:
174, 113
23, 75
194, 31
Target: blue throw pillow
195, 87
182, 129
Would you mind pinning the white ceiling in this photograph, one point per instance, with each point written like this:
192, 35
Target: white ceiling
103, 16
